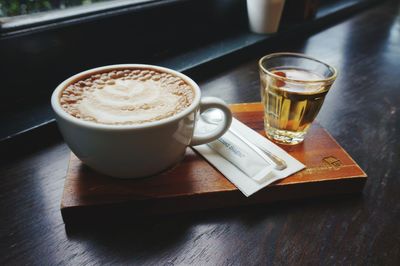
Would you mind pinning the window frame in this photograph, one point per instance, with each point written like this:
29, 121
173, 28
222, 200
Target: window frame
51, 19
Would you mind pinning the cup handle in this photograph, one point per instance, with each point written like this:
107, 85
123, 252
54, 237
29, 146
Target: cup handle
208, 103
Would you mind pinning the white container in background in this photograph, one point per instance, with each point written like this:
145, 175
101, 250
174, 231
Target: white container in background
264, 15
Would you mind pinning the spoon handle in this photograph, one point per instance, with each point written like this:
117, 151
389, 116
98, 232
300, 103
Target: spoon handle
280, 164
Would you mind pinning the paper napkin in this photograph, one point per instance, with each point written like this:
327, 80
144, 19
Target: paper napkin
238, 177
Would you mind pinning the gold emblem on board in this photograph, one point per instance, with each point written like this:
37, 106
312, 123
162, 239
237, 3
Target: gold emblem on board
333, 162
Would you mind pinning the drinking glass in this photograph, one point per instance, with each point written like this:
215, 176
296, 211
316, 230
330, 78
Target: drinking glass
293, 89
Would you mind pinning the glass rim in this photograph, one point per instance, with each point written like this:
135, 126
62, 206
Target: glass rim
328, 80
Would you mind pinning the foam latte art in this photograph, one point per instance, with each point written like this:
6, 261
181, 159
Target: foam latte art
129, 101
127, 97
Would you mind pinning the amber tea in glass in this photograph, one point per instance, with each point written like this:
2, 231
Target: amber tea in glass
293, 89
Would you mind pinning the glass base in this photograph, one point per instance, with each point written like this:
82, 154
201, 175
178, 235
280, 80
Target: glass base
285, 136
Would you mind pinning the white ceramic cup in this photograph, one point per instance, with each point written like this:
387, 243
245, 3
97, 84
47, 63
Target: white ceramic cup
264, 15
129, 151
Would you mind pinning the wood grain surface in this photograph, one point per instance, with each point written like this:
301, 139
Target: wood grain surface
361, 112
194, 184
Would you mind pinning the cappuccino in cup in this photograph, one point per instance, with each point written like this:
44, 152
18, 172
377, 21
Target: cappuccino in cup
133, 120
127, 96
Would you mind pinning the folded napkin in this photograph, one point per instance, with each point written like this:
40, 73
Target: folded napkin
241, 172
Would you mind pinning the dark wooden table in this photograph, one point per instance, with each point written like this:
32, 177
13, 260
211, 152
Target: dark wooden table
361, 112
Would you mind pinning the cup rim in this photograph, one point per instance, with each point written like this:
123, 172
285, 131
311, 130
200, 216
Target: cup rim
93, 125
328, 80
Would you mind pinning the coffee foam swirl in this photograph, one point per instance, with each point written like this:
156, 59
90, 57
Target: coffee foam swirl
129, 101
132, 96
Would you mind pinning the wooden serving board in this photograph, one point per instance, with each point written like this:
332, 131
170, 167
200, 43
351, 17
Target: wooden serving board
196, 185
